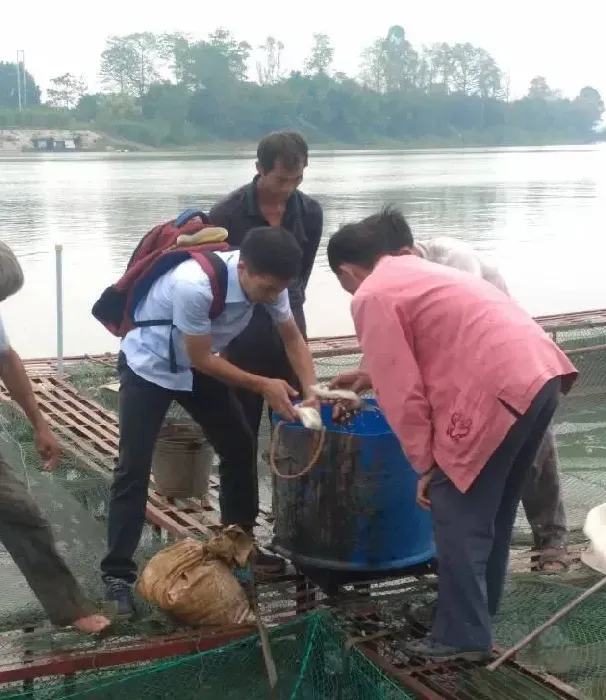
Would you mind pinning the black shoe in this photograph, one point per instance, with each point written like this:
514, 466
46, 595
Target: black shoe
120, 595
268, 563
424, 614
432, 650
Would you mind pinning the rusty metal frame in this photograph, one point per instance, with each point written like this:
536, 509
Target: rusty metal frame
137, 651
424, 680
433, 681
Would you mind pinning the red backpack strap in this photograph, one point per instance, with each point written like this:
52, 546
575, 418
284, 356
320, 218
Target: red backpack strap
149, 243
216, 271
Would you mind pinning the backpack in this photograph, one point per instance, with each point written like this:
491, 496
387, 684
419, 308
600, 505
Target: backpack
191, 235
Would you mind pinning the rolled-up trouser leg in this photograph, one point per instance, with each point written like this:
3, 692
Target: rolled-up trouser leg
542, 498
29, 540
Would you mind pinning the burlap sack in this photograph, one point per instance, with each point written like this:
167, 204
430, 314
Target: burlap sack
194, 581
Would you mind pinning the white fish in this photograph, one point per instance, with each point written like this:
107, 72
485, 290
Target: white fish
324, 393
309, 417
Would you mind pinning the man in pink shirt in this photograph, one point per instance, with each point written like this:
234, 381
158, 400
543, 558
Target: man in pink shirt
542, 496
469, 384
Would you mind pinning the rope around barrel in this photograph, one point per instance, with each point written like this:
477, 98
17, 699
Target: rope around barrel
312, 463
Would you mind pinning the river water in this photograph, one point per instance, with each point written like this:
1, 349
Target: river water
539, 213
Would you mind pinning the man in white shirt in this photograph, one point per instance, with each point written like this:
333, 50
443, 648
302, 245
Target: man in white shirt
542, 499
182, 361
24, 531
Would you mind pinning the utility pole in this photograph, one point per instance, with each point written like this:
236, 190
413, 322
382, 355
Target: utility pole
21, 83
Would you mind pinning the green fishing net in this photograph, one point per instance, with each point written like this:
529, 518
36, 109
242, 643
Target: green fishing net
311, 659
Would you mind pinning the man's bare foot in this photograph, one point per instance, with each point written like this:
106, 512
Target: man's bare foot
551, 560
553, 566
92, 624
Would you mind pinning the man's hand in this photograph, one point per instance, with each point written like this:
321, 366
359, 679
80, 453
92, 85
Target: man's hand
279, 395
354, 380
48, 447
423, 488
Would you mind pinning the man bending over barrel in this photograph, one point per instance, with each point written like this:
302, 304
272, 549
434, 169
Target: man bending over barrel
542, 496
179, 359
24, 532
469, 383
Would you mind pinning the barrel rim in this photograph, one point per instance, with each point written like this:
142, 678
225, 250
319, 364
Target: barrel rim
336, 429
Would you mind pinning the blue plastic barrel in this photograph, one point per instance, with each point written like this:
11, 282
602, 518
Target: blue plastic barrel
356, 509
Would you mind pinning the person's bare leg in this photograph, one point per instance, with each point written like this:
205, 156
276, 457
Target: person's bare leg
28, 538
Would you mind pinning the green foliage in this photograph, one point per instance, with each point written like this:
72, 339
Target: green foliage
129, 63
9, 94
66, 91
36, 118
269, 69
321, 56
168, 90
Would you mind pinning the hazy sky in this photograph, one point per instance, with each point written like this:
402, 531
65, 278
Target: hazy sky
526, 37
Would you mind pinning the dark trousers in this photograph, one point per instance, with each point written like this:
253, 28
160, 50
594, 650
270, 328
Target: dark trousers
259, 350
473, 530
143, 407
28, 538
542, 498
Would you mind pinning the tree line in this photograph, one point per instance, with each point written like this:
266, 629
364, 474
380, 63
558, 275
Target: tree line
170, 90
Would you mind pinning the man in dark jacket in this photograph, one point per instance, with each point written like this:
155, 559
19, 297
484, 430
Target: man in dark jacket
272, 199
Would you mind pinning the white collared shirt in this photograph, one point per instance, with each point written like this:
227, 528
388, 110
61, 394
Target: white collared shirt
462, 256
184, 296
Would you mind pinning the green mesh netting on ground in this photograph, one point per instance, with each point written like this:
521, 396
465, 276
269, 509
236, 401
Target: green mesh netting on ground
311, 659
574, 649
74, 500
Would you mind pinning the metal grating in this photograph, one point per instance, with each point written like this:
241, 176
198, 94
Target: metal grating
375, 616
382, 643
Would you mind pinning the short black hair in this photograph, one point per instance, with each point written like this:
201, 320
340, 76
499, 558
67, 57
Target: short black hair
356, 244
289, 147
391, 225
272, 250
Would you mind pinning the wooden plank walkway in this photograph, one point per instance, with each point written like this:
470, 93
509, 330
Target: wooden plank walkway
89, 434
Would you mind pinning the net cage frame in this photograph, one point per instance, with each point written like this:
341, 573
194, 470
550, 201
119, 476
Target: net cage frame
355, 612
88, 432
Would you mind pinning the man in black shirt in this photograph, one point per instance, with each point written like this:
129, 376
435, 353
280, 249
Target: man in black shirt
272, 199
